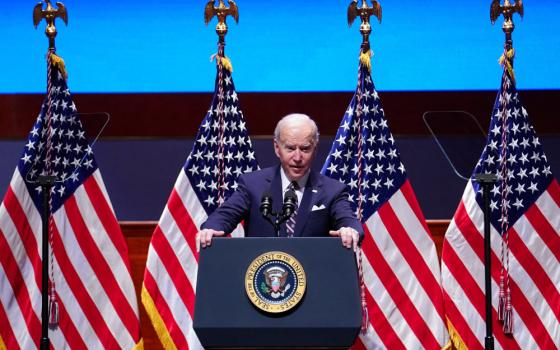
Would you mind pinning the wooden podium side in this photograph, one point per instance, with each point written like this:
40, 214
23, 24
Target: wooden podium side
138, 235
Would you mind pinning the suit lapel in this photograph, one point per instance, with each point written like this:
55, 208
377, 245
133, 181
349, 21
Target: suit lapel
312, 189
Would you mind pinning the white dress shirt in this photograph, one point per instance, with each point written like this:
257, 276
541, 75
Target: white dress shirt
301, 184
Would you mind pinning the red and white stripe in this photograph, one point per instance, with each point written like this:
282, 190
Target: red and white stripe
95, 293
402, 277
168, 292
534, 242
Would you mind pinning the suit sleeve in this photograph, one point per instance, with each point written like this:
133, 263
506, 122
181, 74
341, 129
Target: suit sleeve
342, 214
235, 209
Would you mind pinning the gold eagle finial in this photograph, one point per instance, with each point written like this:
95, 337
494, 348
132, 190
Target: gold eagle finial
507, 10
364, 12
49, 14
221, 11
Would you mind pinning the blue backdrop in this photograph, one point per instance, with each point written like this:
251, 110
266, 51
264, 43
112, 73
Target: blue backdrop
290, 45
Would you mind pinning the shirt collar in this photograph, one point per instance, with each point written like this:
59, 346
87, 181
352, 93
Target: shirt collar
286, 182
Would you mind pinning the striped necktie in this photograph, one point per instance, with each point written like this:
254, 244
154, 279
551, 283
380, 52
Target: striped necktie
291, 223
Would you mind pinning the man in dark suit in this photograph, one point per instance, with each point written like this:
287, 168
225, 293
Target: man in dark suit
322, 203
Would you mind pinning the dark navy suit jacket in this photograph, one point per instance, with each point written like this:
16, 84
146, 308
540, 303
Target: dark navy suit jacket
324, 206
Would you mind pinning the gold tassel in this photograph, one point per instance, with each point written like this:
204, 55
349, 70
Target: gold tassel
157, 322
365, 59
505, 60
59, 63
226, 63
455, 337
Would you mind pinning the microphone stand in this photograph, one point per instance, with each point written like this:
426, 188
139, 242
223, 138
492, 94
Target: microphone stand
277, 219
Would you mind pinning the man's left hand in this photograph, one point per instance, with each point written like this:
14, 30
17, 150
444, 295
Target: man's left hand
348, 236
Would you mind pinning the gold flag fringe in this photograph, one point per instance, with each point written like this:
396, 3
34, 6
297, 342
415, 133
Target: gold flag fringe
157, 322
2, 345
59, 63
455, 338
140, 345
506, 60
448, 346
365, 59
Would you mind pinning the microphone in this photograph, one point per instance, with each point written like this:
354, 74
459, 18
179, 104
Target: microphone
266, 204
290, 203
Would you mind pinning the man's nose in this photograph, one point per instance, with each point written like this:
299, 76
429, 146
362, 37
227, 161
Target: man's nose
297, 155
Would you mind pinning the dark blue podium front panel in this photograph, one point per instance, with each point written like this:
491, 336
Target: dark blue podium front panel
328, 316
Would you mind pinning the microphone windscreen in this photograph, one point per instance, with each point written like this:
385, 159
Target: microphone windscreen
266, 203
290, 195
290, 202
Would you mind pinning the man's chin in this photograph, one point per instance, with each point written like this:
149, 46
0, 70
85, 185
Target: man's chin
297, 173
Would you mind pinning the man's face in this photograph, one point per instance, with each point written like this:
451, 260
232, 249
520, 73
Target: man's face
296, 149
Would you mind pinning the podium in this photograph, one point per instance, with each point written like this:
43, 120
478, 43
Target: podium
327, 316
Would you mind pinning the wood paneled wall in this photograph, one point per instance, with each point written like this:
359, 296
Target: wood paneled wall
138, 235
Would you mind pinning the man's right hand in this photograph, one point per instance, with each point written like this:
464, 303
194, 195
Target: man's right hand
204, 237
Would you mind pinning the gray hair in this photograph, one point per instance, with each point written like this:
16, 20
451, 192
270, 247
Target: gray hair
296, 117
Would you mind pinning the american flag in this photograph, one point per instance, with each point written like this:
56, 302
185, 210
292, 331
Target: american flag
400, 265
222, 151
525, 207
89, 261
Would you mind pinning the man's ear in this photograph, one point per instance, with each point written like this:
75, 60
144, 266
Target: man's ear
277, 148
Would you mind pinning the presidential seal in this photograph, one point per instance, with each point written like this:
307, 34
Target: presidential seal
275, 282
